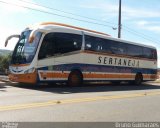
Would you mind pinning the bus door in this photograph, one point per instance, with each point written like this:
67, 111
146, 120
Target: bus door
46, 58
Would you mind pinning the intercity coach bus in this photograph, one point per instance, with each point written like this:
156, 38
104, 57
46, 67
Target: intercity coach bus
55, 52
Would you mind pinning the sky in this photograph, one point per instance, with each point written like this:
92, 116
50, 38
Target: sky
140, 18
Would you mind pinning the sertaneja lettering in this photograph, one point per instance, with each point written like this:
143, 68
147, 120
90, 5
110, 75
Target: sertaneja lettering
133, 63
105, 60
110, 60
129, 63
125, 62
118, 61
115, 60
99, 59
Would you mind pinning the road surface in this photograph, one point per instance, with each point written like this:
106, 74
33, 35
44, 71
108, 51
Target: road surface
88, 103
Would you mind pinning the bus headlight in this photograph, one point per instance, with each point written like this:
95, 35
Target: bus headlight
31, 70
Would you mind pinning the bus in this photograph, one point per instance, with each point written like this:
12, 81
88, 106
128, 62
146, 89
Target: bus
56, 52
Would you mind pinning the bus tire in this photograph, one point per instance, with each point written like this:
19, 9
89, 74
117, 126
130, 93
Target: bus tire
75, 78
138, 79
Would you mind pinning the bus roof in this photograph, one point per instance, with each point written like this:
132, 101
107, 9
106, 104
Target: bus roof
69, 26
88, 32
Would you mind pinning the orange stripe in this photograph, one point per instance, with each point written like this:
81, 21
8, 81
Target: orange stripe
147, 76
65, 75
108, 76
70, 26
19, 65
54, 75
93, 75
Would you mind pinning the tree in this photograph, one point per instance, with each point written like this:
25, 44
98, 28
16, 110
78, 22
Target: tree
4, 62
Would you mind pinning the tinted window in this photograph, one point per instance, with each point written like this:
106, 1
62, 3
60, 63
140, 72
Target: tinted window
154, 53
24, 51
59, 43
96, 44
65, 42
91, 43
149, 53
104, 45
117, 47
47, 48
134, 50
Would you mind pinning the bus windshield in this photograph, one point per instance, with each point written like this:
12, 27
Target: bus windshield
24, 51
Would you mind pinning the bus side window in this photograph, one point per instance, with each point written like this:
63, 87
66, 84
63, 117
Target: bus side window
135, 51
99, 45
89, 43
117, 47
88, 46
92, 43
67, 42
154, 54
149, 53
47, 47
105, 46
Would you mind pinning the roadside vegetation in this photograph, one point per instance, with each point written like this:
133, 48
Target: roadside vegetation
4, 63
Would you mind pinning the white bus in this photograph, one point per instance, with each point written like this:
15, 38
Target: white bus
55, 52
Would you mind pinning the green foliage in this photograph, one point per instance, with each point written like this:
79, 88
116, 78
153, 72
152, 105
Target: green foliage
4, 62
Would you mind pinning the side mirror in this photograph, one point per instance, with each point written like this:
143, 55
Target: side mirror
10, 37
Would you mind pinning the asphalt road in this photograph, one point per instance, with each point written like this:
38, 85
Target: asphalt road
103, 102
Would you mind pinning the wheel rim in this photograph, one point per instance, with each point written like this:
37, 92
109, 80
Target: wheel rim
74, 79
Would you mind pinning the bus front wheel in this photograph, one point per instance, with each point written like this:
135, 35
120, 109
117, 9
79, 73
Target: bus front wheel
138, 79
75, 78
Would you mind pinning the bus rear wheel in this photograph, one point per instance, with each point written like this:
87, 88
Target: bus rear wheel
75, 78
138, 79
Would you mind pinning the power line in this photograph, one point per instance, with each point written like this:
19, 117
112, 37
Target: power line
131, 30
66, 12
51, 13
141, 34
144, 37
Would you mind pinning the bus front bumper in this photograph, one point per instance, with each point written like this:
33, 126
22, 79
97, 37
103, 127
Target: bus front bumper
30, 78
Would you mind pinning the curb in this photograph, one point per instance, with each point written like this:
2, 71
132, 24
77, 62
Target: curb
4, 79
1, 80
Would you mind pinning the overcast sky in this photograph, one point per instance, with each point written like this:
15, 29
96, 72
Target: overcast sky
140, 18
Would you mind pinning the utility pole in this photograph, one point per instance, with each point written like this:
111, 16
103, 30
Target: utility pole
119, 20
